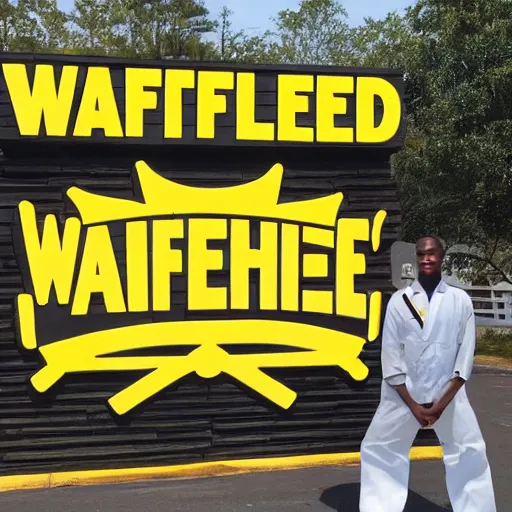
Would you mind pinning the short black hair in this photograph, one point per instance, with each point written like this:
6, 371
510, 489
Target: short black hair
436, 239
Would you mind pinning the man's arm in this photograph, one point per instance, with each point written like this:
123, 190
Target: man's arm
462, 370
435, 412
393, 365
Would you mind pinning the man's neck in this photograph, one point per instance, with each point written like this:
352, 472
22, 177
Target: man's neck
429, 283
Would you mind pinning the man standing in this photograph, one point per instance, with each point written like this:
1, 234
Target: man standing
428, 344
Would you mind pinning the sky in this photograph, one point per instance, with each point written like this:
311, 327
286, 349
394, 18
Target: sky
255, 15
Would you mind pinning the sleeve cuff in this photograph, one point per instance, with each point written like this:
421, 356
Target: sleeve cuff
457, 373
396, 380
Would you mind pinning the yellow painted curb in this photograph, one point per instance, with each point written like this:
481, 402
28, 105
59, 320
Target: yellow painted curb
197, 470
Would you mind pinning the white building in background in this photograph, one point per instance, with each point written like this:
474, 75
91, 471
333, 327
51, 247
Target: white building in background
488, 301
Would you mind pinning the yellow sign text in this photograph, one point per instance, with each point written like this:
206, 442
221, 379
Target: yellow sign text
47, 103
303, 252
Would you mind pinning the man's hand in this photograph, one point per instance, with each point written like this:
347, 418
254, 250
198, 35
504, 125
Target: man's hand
435, 412
421, 414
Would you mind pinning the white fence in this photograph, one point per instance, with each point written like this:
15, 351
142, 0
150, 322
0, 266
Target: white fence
491, 303
492, 307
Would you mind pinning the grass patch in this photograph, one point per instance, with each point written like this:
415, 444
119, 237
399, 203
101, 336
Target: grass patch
493, 342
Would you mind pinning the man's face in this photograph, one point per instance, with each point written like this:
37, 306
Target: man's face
429, 257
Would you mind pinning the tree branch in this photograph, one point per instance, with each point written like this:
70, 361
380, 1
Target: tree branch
505, 277
493, 252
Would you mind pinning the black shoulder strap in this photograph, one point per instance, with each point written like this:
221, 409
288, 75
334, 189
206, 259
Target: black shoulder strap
413, 310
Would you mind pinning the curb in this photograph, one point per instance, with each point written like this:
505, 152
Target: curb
197, 470
491, 370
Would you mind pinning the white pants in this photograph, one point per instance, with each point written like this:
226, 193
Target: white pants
385, 456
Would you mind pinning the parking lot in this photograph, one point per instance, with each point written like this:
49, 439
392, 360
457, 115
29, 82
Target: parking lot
316, 489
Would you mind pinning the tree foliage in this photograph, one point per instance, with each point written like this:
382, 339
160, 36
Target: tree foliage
388, 43
135, 28
317, 33
455, 172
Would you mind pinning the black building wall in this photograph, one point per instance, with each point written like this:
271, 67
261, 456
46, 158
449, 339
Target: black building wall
194, 420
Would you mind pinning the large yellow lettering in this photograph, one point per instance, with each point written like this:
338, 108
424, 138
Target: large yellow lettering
98, 108
166, 260
137, 265
98, 274
289, 103
367, 89
175, 81
244, 258
327, 105
247, 128
44, 100
49, 260
317, 301
138, 99
317, 266
201, 260
209, 103
290, 267
348, 264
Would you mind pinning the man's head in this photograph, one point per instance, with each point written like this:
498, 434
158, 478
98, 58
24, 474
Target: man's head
429, 255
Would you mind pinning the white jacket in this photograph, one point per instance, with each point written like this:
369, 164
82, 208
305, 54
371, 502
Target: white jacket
427, 358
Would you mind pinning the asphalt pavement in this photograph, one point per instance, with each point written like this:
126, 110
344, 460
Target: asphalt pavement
318, 489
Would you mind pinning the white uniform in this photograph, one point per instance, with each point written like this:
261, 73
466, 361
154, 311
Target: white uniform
426, 359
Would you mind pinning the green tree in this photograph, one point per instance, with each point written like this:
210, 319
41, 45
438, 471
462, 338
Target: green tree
317, 33
143, 28
33, 26
7, 24
455, 171
387, 43
173, 28
93, 26
55, 35
242, 48
28, 35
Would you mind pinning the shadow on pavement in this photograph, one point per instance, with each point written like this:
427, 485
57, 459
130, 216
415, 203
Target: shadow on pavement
345, 498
